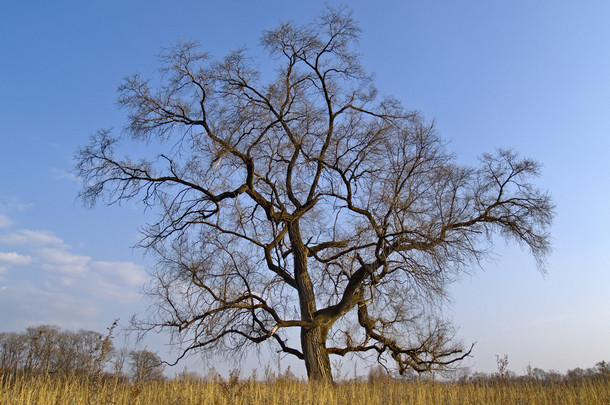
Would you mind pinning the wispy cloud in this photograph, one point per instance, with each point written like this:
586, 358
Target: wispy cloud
102, 279
32, 238
60, 174
5, 222
32, 304
14, 258
123, 272
64, 285
12, 204
61, 261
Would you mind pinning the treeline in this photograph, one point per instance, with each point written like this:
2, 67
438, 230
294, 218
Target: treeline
599, 372
48, 349
51, 350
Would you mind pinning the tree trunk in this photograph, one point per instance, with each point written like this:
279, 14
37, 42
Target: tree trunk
313, 339
317, 361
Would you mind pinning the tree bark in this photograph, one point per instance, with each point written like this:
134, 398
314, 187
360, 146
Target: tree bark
317, 361
313, 338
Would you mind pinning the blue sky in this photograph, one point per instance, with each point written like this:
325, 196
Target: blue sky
533, 76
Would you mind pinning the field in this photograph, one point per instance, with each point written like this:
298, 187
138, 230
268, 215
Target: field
45, 390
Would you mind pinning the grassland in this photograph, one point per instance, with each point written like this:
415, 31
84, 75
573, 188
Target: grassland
46, 390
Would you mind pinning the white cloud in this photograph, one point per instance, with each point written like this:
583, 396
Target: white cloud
14, 258
60, 261
60, 174
5, 222
115, 281
31, 305
30, 237
10, 204
111, 292
121, 272
60, 284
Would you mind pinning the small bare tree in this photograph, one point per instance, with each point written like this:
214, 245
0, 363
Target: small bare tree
305, 201
145, 365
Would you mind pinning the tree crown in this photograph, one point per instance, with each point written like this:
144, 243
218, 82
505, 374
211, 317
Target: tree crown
310, 189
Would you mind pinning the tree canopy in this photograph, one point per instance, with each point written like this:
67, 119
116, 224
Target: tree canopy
305, 201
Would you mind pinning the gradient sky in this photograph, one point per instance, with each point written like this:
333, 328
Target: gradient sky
533, 76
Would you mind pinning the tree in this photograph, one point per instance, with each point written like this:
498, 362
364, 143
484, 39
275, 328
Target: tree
42, 343
377, 373
145, 365
603, 369
77, 352
49, 349
13, 351
305, 201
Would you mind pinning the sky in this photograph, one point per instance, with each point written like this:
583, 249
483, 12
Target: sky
532, 76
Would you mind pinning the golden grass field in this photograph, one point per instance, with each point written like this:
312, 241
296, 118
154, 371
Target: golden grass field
45, 390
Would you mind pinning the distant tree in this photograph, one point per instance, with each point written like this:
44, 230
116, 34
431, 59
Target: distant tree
377, 373
575, 374
49, 349
502, 363
553, 376
42, 342
212, 376
145, 365
539, 374
189, 376
479, 377
13, 351
77, 352
119, 358
306, 201
461, 375
603, 369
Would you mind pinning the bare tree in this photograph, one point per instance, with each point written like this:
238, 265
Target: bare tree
118, 358
305, 201
145, 365
42, 344
49, 349
13, 351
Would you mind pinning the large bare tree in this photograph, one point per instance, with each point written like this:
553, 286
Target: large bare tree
302, 199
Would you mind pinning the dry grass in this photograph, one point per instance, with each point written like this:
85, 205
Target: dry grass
45, 390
